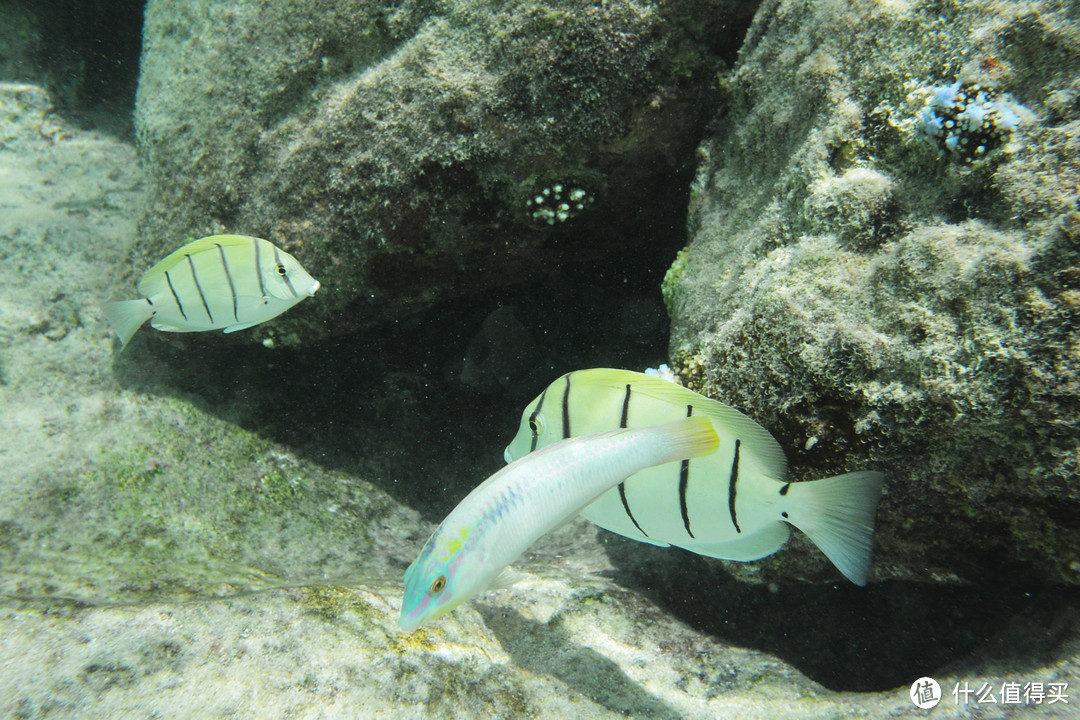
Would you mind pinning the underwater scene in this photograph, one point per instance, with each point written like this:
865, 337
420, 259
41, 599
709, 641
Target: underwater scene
666, 360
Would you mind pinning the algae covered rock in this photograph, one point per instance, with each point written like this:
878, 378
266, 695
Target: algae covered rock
419, 151
879, 304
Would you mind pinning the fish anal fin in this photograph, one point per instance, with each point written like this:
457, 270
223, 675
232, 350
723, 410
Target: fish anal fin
648, 540
165, 326
753, 547
242, 326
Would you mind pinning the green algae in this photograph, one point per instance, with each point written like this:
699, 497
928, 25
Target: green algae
188, 505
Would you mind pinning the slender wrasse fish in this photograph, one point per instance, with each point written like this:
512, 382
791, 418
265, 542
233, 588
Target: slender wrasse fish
735, 504
221, 282
505, 514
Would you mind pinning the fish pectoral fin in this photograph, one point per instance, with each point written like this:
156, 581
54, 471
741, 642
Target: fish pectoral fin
507, 578
752, 547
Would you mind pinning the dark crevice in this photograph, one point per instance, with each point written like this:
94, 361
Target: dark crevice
870, 639
85, 53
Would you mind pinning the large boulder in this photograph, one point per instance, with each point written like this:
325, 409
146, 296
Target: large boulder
879, 300
418, 151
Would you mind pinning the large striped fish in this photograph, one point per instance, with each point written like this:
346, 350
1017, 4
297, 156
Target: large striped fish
735, 504
221, 282
496, 522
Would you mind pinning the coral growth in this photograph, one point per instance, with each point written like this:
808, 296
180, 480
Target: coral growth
967, 120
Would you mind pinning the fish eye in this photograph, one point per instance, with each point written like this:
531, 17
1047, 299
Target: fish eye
439, 584
281, 270
536, 425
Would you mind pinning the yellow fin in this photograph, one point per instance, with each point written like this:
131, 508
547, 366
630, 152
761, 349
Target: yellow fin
727, 419
156, 273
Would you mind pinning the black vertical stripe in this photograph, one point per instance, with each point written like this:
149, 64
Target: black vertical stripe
228, 276
732, 482
281, 271
532, 420
625, 407
566, 409
626, 507
199, 288
684, 483
622, 486
174, 295
258, 266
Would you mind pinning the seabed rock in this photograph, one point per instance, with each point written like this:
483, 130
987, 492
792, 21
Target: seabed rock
878, 304
403, 151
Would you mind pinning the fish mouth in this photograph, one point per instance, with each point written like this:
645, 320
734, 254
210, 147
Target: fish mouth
408, 624
314, 288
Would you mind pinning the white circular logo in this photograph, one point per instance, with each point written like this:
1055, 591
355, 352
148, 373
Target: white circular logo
925, 693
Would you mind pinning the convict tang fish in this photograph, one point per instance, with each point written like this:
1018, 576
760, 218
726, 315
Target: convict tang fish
735, 504
497, 521
221, 282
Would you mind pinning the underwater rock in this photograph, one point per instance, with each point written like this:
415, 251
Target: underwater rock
855, 206
395, 149
878, 308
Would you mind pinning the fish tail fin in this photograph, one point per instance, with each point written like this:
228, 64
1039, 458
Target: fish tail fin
127, 316
690, 438
837, 513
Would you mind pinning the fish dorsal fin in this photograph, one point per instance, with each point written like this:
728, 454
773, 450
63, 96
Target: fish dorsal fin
155, 274
725, 418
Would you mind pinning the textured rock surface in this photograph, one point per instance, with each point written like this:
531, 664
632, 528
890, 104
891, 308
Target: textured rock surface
554, 648
394, 148
878, 305
121, 496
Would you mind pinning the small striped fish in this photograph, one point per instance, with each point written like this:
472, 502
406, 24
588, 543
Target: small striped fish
221, 282
495, 523
735, 504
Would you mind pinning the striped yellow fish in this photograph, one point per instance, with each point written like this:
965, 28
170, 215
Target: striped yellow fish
735, 504
221, 282
496, 522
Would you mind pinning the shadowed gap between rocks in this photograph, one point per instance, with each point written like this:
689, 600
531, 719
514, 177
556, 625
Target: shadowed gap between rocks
867, 639
424, 405
87, 55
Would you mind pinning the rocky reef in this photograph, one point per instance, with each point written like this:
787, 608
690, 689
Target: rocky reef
879, 304
398, 148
